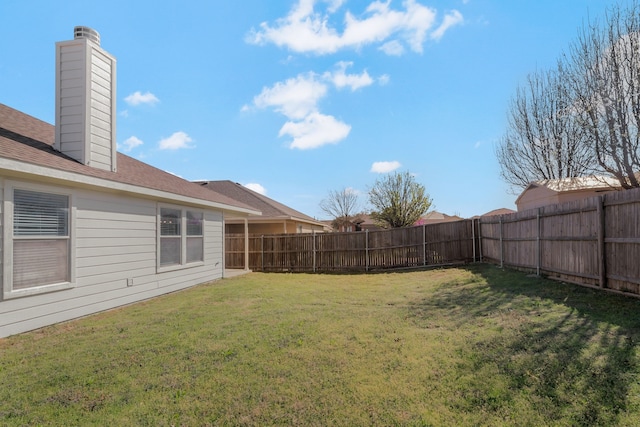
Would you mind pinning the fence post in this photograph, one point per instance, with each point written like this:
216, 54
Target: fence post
366, 249
473, 239
501, 245
602, 267
262, 252
314, 251
424, 244
480, 237
538, 245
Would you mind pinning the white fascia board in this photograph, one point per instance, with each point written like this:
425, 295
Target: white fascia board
27, 170
231, 219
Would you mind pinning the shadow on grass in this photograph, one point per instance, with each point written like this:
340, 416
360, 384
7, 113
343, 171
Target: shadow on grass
566, 352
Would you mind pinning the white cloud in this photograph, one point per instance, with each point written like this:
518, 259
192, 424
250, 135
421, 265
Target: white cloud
295, 98
256, 187
131, 143
453, 18
384, 79
354, 81
306, 30
385, 167
351, 190
392, 48
334, 5
138, 98
176, 141
315, 131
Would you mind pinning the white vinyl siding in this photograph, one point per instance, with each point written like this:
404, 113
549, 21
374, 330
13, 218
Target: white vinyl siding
85, 108
102, 122
2, 261
114, 257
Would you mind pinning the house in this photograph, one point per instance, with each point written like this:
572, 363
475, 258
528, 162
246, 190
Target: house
84, 228
499, 211
276, 217
554, 191
359, 222
435, 217
362, 222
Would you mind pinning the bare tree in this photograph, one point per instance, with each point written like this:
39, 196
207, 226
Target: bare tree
606, 82
342, 206
543, 138
398, 200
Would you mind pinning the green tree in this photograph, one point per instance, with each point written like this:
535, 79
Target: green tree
398, 200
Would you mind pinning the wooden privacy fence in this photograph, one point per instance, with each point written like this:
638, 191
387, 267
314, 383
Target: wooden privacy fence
593, 242
436, 244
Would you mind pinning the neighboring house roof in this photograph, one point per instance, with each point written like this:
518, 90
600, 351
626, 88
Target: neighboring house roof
363, 220
435, 217
578, 184
555, 191
270, 208
26, 146
500, 211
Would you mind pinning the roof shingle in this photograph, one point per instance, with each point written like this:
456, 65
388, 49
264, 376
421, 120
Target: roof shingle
269, 207
27, 139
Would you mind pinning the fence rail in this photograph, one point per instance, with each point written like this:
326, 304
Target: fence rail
593, 242
435, 244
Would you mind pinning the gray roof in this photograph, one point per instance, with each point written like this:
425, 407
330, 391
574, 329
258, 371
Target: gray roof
29, 140
269, 207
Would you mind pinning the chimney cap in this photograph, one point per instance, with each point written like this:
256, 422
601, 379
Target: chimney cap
81, 32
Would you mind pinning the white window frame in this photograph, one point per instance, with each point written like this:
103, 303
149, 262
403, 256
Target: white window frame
182, 264
8, 240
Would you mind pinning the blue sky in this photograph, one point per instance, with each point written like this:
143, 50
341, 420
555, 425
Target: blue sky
299, 97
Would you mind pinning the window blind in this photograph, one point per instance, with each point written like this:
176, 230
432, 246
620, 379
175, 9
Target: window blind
40, 214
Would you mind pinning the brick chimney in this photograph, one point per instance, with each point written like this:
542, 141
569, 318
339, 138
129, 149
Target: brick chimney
86, 100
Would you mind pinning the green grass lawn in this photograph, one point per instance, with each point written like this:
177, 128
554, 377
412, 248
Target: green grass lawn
465, 346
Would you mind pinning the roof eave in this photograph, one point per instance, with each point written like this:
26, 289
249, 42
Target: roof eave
263, 218
19, 169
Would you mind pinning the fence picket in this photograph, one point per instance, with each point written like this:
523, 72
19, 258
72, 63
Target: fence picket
593, 242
